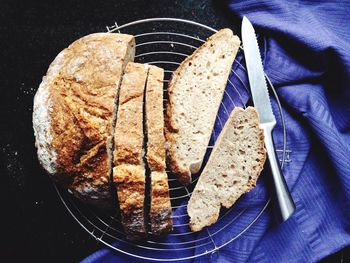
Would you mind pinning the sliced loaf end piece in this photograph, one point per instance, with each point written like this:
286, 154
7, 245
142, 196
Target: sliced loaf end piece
232, 169
160, 206
194, 96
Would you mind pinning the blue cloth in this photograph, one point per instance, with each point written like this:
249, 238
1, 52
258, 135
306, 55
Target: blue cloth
306, 54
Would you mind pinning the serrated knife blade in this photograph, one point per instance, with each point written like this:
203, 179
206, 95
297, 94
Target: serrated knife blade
256, 73
262, 103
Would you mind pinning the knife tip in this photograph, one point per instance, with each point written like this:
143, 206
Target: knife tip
244, 21
246, 24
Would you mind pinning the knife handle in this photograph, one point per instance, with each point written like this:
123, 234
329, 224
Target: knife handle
283, 196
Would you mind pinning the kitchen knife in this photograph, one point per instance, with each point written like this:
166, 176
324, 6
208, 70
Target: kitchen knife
263, 105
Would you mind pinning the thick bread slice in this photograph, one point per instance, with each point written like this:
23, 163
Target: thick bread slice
128, 138
194, 96
160, 207
233, 168
129, 171
73, 116
155, 119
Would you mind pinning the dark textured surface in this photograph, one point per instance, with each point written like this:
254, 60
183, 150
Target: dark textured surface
35, 225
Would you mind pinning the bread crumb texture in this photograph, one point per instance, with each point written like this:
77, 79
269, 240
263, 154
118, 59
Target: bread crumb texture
195, 93
232, 169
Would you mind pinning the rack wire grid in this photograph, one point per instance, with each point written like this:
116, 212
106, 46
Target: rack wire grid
166, 42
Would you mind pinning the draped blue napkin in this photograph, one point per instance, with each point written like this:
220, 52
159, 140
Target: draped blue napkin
306, 53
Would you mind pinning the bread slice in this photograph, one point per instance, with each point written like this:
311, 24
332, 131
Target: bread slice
73, 115
160, 207
129, 170
194, 95
155, 119
232, 169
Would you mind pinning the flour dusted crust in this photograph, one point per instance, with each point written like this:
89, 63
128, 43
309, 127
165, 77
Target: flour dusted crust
194, 95
73, 116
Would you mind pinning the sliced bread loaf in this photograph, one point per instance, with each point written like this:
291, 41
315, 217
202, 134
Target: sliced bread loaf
129, 170
73, 114
232, 169
160, 207
194, 96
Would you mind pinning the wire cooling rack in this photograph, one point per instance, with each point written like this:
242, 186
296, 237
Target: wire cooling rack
166, 42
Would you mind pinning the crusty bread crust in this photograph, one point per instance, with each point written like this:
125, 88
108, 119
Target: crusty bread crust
160, 212
73, 113
233, 168
175, 157
155, 119
160, 208
129, 171
129, 180
128, 138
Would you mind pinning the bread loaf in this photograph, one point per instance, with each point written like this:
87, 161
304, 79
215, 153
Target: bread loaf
129, 170
160, 207
73, 115
194, 96
232, 169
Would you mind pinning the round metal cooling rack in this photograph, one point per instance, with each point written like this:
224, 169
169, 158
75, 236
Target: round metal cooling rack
166, 42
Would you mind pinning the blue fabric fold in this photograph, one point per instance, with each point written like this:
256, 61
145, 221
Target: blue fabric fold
306, 54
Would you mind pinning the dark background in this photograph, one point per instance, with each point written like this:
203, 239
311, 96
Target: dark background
36, 227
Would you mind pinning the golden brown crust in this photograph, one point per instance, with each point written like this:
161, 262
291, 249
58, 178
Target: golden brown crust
86, 185
129, 171
128, 138
169, 107
130, 183
160, 209
160, 212
155, 119
82, 84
